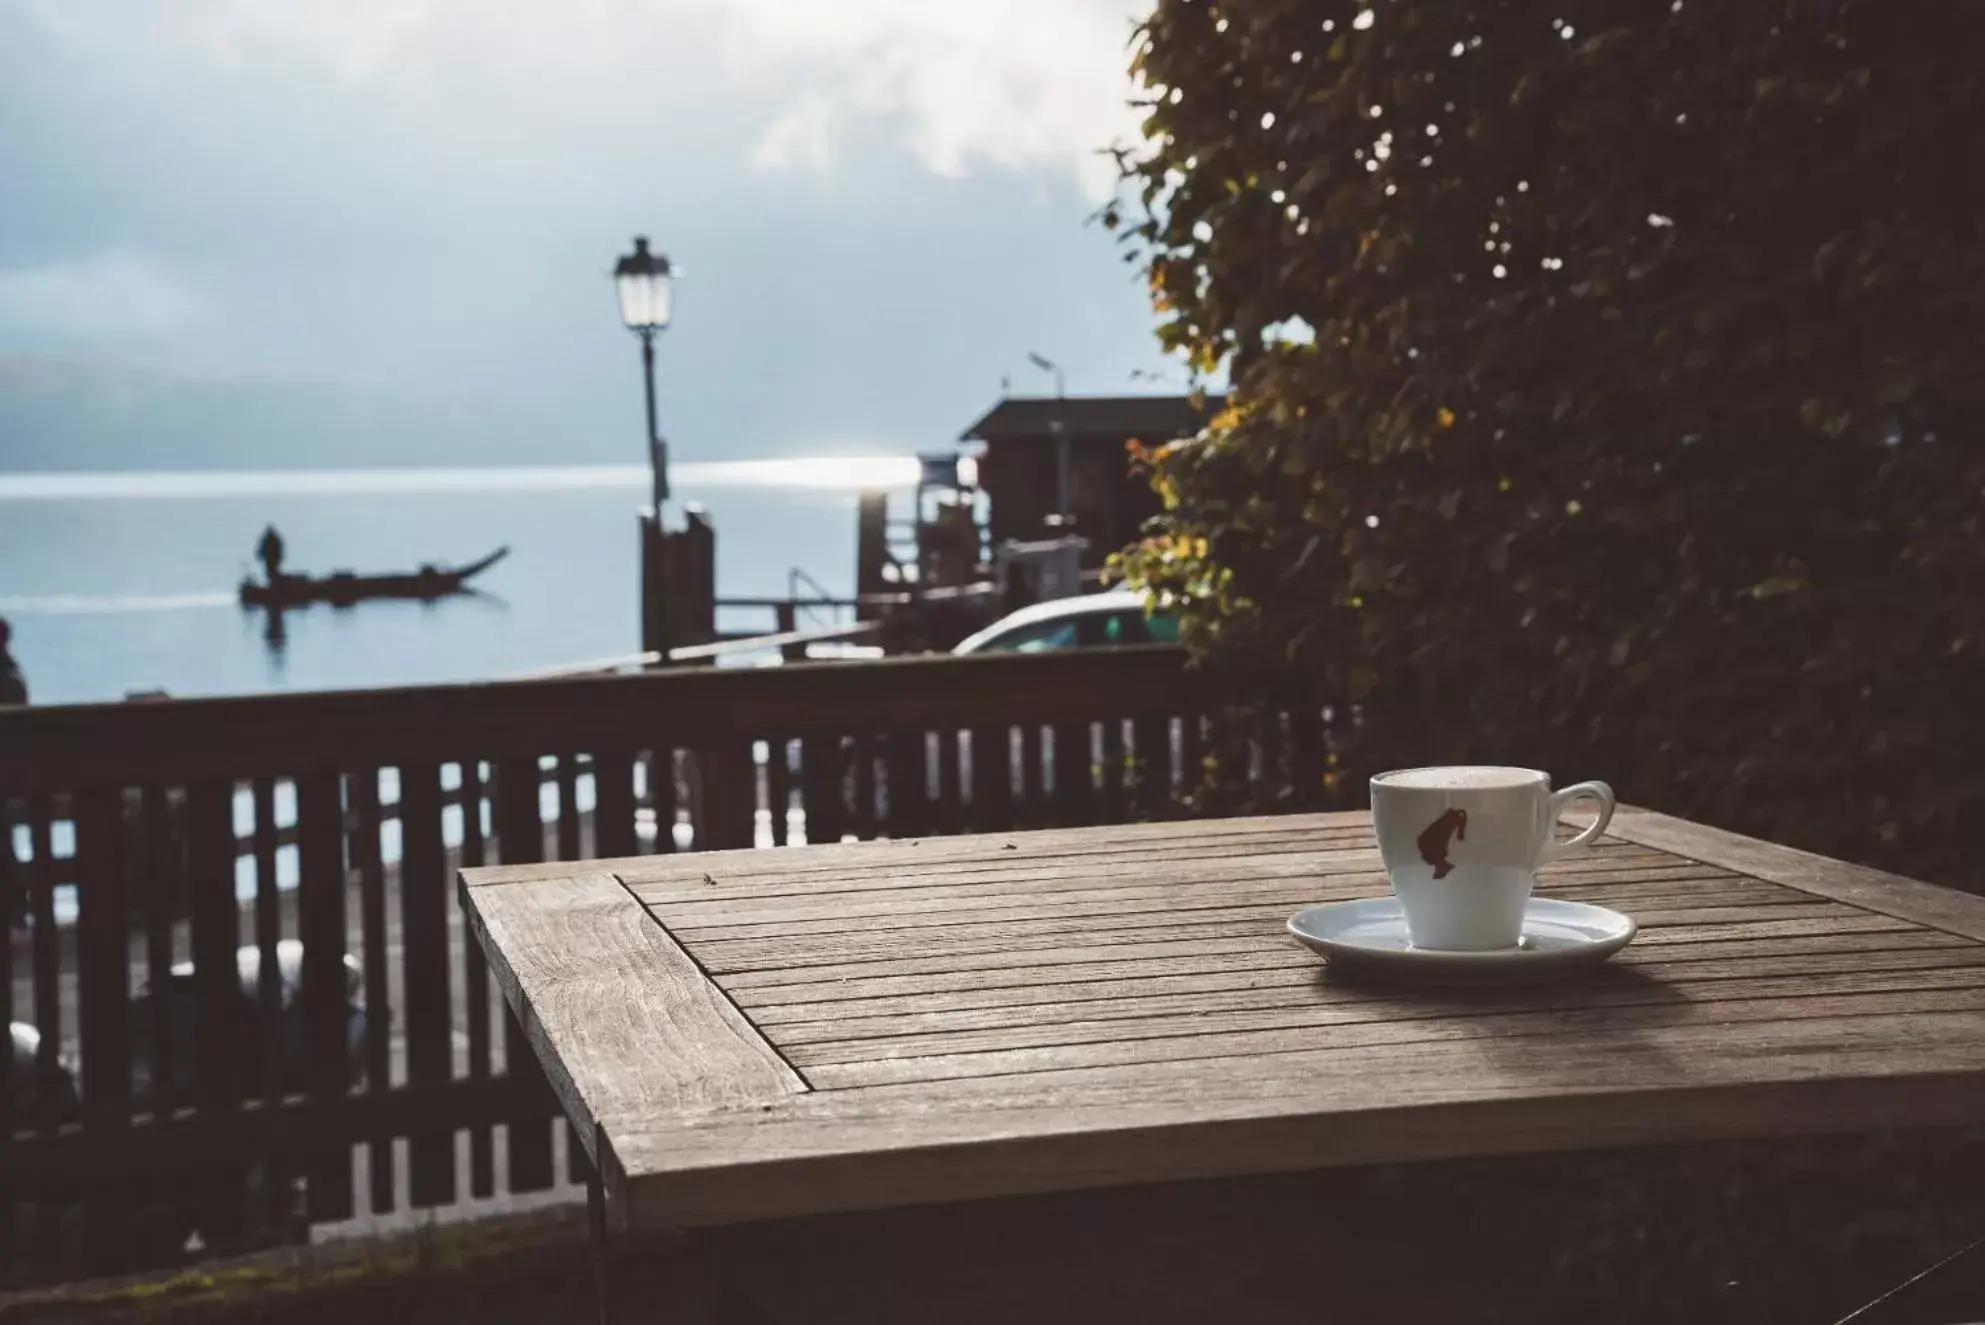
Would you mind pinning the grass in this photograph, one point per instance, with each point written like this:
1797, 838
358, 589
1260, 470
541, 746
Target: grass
534, 1263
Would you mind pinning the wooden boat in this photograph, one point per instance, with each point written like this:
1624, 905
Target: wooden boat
343, 588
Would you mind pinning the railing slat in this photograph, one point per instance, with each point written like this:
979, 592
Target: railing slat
730, 795
864, 819
1192, 752
103, 992
823, 788
908, 786
362, 797
46, 954
1033, 781
54, 748
568, 807
567, 843
1074, 789
950, 797
475, 986
1307, 754
324, 998
1151, 766
102, 965
162, 893
661, 795
1111, 798
779, 787
219, 1027
268, 937
424, 973
520, 838
11, 900
992, 779
613, 804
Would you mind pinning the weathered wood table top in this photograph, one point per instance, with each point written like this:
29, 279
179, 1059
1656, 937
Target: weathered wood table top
757, 1034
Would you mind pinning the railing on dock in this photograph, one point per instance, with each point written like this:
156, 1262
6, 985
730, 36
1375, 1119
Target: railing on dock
254, 842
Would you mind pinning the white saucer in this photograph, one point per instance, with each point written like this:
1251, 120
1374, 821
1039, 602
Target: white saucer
1369, 936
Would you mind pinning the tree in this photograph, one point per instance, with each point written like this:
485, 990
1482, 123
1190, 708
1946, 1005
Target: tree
1606, 390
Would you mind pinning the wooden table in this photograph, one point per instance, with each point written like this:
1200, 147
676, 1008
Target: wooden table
753, 1035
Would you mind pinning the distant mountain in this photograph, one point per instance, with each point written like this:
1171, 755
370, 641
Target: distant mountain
59, 415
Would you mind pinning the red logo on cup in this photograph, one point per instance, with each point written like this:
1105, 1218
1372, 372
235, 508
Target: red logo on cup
1433, 841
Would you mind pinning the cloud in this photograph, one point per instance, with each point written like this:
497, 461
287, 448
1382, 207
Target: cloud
105, 297
1020, 84
1014, 84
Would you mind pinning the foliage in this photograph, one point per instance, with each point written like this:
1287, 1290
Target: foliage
1605, 390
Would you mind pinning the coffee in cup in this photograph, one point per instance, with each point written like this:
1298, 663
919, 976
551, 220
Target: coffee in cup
1462, 845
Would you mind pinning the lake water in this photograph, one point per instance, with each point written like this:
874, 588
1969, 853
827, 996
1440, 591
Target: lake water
118, 582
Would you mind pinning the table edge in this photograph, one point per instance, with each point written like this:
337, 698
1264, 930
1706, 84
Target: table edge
656, 1199
1930, 905
670, 988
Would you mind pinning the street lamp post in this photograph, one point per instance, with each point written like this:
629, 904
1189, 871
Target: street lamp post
643, 281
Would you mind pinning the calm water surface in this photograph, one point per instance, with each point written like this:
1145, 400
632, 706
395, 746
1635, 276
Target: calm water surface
116, 582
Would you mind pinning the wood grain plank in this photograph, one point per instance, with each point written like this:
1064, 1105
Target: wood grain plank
1000, 980
1117, 924
1577, 1025
622, 1021
1856, 885
1198, 1029
725, 888
911, 908
1272, 986
853, 858
1019, 938
747, 876
1215, 949
864, 1149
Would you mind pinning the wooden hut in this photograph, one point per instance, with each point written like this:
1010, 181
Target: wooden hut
1030, 441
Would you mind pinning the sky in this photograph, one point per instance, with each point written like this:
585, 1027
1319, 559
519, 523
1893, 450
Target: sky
314, 233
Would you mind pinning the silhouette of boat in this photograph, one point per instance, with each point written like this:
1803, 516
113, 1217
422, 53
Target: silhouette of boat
343, 588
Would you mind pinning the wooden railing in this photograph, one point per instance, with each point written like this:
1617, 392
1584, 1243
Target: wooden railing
351, 811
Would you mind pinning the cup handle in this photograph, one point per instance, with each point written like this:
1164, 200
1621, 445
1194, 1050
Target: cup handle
1590, 791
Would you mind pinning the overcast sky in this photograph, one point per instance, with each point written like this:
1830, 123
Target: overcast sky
309, 232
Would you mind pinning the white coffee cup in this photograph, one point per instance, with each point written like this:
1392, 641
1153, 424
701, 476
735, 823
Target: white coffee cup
1462, 845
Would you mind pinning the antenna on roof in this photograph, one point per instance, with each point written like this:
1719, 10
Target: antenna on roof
1047, 365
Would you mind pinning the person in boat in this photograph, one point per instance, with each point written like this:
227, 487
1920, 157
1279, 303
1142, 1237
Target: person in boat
270, 552
13, 683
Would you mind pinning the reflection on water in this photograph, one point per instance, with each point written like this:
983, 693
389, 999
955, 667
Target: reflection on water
123, 582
